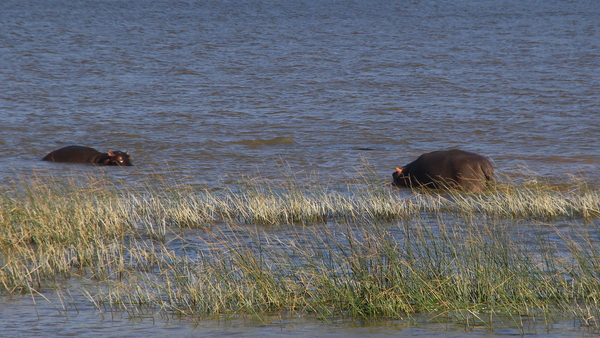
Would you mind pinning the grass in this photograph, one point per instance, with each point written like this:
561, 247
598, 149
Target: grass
362, 250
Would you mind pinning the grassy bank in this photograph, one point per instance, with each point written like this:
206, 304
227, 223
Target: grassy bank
363, 250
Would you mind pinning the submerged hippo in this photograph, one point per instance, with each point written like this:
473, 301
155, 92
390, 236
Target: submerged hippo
446, 169
81, 154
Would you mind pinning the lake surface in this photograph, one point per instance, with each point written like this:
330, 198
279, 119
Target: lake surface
206, 90
223, 87
19, 321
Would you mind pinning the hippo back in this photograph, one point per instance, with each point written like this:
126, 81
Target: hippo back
447, 169
80, 154
77, 154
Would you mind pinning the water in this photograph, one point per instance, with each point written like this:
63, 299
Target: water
212, 89
227, 87
71, 323
67, 315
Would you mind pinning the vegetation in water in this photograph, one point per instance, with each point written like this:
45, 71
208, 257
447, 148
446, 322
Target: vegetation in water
307, 247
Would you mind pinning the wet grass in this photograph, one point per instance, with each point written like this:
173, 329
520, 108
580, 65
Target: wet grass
258, 247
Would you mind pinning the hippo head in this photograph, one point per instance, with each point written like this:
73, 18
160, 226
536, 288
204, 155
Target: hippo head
400, 179
118, 158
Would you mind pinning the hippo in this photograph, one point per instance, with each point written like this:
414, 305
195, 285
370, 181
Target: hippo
81, 154
446, 169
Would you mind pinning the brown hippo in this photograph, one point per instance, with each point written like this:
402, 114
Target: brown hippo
446, 169
81, 154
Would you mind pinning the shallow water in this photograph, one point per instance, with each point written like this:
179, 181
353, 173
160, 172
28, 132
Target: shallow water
53, 316
205, 91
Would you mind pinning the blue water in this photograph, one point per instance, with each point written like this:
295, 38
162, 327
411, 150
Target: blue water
220, 88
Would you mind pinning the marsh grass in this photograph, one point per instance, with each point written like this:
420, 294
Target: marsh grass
306, 246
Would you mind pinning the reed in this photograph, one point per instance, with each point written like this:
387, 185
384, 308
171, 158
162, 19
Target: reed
405, 271
361, 250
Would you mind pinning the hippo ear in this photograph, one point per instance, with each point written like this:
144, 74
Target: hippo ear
399, 170
127, 152
110, 153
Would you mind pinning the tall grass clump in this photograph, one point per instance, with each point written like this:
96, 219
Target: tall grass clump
415, 268
531, 200
51, 228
